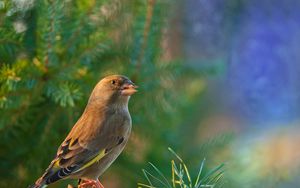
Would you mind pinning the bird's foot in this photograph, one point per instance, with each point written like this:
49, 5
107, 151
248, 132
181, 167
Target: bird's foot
90, 184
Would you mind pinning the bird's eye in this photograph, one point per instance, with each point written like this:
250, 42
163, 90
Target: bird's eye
113, 82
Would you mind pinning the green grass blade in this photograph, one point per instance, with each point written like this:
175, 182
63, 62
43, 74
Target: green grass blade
200, 171
160, 181
161, 174
188, 175
144, 185
210, 173
174, 153
215, 178
145, 174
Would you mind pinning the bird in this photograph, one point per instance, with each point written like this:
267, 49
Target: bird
97, 138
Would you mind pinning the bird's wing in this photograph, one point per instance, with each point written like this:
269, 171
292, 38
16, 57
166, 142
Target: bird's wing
73, 157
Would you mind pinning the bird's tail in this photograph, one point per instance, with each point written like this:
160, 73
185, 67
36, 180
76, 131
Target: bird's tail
40, 183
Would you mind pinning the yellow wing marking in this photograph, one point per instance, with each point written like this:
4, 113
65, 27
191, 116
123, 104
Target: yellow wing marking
56, 164
96, 159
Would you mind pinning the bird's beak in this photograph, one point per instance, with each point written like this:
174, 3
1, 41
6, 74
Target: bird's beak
128, 89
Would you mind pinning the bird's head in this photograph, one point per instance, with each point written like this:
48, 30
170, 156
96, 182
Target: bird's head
113, 89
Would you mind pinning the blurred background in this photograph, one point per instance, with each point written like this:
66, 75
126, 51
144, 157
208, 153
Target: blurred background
218, 80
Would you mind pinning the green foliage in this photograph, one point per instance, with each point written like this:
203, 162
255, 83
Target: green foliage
65, 94
181, 176
53, 52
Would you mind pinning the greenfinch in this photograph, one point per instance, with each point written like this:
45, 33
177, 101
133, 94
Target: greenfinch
97, 138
